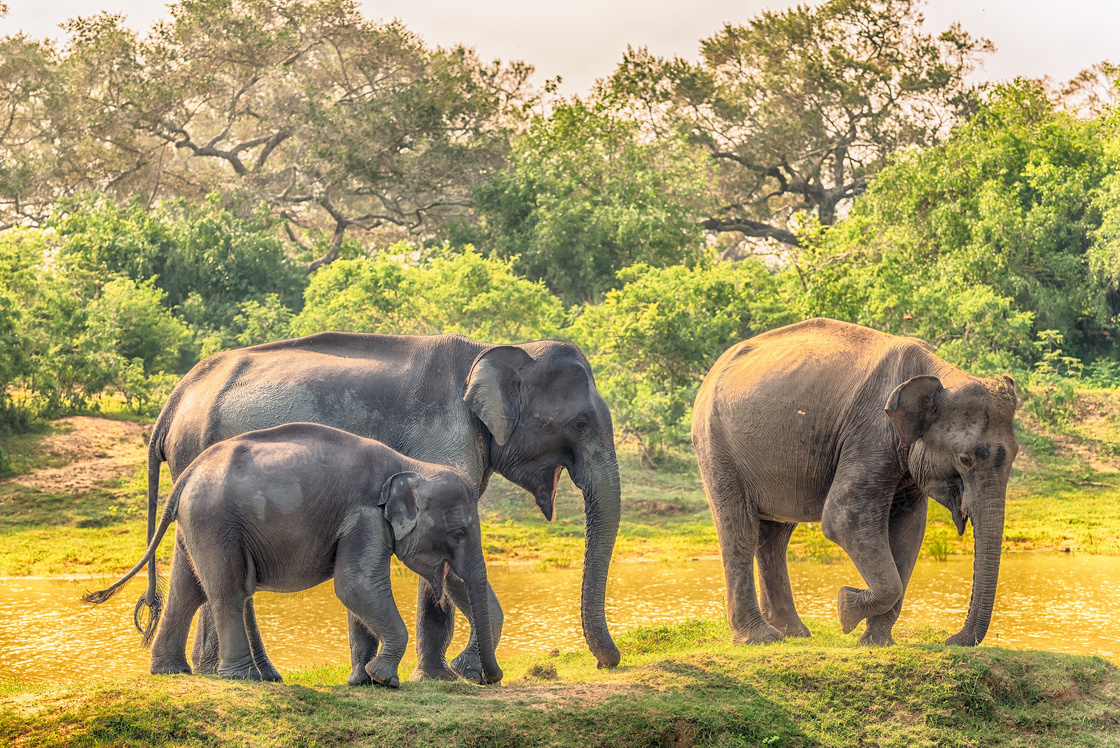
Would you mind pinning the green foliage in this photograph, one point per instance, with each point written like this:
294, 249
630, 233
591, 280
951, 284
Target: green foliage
585, 195
128, 320
978, 243
1050, 391
206, 259
450, 292
80, 331
263, 322
652, 341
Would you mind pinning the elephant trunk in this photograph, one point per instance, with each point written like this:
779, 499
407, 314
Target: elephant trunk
987, 529
602, 496
477, 587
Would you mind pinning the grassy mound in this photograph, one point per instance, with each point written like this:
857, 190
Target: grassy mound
681, 685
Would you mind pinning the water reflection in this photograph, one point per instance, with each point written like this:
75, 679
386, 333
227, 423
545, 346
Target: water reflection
1045, 601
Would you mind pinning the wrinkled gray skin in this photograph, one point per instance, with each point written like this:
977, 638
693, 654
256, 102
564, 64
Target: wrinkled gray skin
287, 508
823, 421
526, 412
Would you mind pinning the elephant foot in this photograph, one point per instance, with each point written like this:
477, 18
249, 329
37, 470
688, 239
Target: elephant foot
269, 673
238, 672
792, 626
877, 638
359, 677
426, 672
848, 602
961, 639
383, 673
468, 666
764, 634
170, 667
205, 665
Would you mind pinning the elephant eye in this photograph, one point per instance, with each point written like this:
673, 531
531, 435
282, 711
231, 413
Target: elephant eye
580, 425
965, 461
458, 535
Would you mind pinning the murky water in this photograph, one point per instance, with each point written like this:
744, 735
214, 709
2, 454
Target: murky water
1058, 602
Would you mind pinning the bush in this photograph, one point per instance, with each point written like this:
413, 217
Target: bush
450, 292
652, 341
206, 259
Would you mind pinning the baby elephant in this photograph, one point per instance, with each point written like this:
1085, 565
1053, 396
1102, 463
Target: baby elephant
287, 508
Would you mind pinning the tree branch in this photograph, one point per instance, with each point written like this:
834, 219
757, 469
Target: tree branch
755, 229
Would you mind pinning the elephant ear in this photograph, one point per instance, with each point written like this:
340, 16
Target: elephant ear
494, 389
911, 406
398, 502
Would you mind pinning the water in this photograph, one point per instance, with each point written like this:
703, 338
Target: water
1058, 602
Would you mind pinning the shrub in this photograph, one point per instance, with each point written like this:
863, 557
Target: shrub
397, 293
652, 341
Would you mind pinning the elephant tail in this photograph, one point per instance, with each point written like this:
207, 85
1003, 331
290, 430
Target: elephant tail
153, 602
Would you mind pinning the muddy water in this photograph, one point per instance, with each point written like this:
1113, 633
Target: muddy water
1057, 602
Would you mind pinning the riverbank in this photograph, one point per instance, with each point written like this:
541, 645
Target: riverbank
76, 504
681, 685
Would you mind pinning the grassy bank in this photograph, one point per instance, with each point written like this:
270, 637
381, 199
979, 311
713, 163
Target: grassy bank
681, 686
1064, 495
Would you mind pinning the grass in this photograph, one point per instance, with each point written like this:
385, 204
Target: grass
681, 685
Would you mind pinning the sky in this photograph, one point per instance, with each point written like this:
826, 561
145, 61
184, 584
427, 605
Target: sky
583, 40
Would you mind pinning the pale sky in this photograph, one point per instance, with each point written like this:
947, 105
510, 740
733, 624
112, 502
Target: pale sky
582, 40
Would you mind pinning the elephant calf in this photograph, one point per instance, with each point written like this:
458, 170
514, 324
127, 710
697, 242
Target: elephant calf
287, 508
823, 421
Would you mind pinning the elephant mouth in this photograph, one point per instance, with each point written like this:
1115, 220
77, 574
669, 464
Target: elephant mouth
546, 490
438, 582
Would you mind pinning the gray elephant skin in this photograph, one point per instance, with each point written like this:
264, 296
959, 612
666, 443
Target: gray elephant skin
824, 421
287, 508
526, 412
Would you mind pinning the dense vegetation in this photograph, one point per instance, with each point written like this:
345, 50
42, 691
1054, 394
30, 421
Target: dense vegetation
252, 170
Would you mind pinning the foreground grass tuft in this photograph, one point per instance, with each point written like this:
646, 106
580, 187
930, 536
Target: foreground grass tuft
682, 685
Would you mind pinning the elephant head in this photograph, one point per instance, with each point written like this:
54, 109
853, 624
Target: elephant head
539, 403
961, 445
435, 530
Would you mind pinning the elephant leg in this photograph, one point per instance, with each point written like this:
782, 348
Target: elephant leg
856, 517
363, 648
204, 653
369, 600
468, 664
184, 596
775, 591
907, 528
262, 666
435, 625
737, 529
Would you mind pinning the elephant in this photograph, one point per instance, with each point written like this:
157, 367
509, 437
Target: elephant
830, 422
287, 508
525, 411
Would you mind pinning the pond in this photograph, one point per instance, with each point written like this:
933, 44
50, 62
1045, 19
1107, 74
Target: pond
1053, 601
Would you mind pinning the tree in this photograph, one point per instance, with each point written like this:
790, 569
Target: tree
979, 243
800, 109
336, 123
585, 195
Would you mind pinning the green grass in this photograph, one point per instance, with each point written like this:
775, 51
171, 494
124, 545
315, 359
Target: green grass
680, 685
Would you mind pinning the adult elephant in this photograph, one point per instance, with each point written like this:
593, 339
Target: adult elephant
824, 421
525, 411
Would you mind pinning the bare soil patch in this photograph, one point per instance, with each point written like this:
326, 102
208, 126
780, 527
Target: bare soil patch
97, 449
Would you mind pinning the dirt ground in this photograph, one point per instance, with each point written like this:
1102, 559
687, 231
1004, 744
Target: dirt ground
98, 450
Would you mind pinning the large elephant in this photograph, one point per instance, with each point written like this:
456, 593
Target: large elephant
525, 411
824, 421
287, 508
